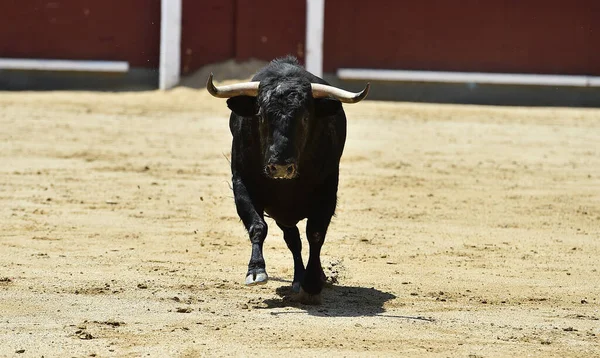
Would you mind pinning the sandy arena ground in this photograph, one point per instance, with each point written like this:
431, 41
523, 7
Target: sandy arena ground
461, 231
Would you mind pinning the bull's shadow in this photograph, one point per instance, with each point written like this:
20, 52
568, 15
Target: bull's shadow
338, 301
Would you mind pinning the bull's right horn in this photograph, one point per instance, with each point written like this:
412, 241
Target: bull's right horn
236, 89
320, 91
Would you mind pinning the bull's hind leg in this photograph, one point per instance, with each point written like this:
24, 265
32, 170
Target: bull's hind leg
257, 229
291, 235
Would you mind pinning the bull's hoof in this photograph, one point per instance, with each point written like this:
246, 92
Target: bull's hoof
296, 287
309, 299
257, 278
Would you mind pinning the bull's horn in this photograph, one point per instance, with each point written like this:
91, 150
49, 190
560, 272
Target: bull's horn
320, 91
237, 89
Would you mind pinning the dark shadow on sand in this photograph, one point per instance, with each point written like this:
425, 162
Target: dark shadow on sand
338, 301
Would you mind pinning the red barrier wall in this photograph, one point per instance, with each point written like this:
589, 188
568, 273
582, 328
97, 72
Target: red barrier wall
523, 36
127, 30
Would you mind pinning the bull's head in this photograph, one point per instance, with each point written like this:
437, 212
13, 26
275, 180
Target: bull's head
286, 109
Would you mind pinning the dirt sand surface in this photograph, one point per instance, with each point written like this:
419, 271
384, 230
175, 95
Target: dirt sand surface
223, 71
461, 231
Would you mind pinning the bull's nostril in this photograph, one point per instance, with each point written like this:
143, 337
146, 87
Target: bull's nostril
281, 171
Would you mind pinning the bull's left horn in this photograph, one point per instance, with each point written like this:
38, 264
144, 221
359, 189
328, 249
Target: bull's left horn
320, 91
236, 89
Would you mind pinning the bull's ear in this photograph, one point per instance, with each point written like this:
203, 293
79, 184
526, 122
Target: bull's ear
325, 107
244, 106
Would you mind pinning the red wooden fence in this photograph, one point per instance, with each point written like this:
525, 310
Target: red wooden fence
523, 36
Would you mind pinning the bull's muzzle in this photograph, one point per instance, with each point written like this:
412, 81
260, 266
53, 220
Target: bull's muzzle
281, 171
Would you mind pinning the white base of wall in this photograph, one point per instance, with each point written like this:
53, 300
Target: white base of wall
63, 65
468, 77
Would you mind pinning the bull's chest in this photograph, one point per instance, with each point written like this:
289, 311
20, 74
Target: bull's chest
287, 204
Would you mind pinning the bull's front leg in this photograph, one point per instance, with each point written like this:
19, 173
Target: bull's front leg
251, 213
291, 235
314, 278
316, 229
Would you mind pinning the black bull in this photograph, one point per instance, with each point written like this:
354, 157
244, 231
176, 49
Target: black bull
289, 130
